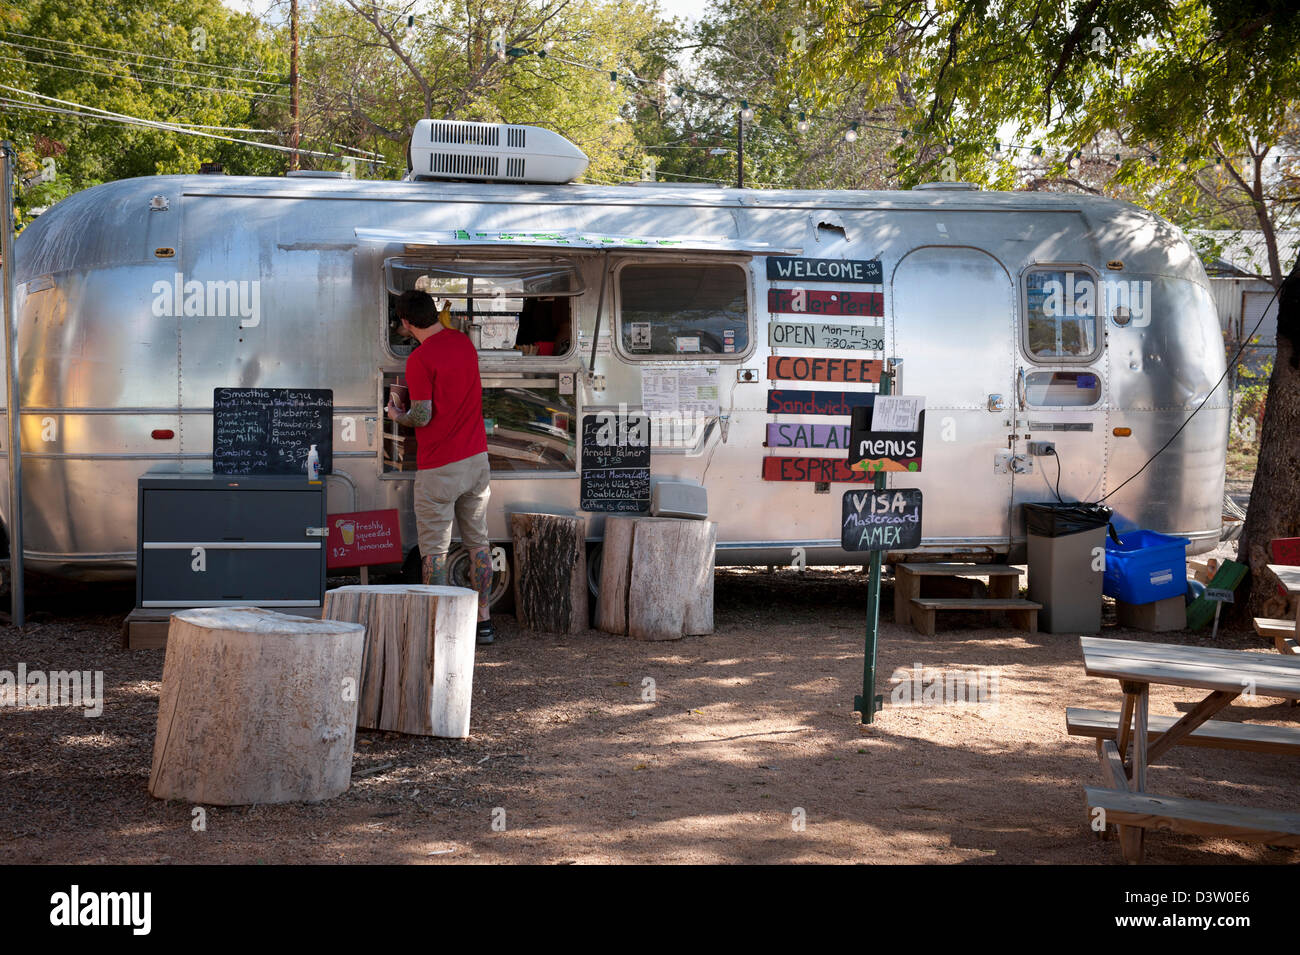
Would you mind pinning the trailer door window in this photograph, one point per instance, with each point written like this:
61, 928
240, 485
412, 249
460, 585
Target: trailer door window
520, 305
1062, 389
1061, 315
683, 310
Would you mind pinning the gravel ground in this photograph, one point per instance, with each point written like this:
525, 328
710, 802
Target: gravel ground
750, 731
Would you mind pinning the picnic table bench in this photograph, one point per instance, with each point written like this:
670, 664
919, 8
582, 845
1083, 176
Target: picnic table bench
1282, 632
1226, 674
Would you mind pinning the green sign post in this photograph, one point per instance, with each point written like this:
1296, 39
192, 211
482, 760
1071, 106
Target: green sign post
868, 703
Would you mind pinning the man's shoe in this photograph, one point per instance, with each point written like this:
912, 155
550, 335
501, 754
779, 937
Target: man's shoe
486, 632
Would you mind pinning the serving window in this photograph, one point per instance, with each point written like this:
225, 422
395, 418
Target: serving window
1060, 314
515, 306
683, 310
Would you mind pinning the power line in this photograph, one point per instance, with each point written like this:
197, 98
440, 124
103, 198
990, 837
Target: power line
118, 61
150, 56
139, 79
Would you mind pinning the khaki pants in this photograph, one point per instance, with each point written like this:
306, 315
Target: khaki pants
461, 490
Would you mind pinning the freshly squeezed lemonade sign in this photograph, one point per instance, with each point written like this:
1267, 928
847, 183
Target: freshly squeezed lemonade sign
363, 538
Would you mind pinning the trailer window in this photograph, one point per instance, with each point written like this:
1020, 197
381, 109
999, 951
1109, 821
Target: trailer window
1062, 389
503, 304
683, 310
1060, 314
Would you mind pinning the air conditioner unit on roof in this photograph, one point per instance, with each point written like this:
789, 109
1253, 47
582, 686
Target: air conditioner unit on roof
501, 152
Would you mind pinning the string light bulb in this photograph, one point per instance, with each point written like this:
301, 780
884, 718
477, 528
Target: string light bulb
613, 81
947, 148
851, 134
548, 46
746, 113
802, 125
675, 98
1182, 165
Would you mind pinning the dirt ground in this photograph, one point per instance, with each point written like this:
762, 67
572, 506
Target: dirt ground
750, 731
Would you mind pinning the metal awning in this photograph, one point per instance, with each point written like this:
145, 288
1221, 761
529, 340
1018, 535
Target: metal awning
585, 241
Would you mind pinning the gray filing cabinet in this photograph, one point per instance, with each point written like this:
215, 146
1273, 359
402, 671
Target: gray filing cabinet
211, 540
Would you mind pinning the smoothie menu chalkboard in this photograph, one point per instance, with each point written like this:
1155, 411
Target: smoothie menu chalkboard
271, 430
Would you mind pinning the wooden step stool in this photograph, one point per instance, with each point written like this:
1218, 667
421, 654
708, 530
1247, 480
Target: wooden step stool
1004, 585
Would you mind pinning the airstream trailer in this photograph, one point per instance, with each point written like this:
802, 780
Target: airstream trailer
1023, 319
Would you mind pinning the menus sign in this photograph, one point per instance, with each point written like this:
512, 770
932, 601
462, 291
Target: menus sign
872, 449
271, 430
881, 520
615, 462
362, 538
795, 269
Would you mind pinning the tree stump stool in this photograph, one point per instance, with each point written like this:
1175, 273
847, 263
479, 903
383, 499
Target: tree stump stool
656, 577
550, 572
256, 707
417, 674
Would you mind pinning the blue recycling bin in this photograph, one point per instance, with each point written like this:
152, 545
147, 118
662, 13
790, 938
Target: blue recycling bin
1145, 566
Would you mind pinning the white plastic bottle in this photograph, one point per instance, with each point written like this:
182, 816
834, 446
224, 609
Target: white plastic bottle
313, 465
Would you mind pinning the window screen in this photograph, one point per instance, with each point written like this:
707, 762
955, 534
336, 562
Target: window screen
683, 309
1060, 314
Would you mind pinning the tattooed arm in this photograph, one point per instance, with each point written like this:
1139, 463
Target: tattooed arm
421, 413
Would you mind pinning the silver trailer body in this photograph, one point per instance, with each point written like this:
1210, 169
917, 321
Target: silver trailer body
111, 389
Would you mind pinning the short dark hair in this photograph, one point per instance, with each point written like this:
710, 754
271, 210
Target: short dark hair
417, 308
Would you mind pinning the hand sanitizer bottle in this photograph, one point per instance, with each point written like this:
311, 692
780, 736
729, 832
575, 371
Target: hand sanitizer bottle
313, 466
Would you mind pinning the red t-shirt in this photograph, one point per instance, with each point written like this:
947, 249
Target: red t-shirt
444, 369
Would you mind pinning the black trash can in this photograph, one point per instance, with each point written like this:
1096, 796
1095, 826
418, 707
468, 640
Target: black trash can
1067, 546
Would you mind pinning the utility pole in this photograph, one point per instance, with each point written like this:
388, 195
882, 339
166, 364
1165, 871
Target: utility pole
293, 82
8, 165
740, 149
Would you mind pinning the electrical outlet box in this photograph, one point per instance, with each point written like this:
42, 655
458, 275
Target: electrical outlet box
1040, 448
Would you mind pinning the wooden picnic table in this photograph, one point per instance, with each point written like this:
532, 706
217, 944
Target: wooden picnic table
1226, 674
1289, 575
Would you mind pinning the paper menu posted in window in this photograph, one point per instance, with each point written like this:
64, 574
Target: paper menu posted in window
896, 412
689, 390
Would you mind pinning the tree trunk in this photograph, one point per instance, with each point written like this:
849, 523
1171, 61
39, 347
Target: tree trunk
550, 572
656, 579
256, 707
417, 673
1274, 509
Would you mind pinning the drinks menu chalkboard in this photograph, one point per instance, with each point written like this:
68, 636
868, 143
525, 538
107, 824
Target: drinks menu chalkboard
615, 462
271, 430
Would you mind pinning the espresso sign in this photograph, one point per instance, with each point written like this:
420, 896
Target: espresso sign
793, 269
615, 463
882, 520
820, 470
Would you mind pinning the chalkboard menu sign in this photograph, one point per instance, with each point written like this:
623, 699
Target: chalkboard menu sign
270, 430
887, 442
615, 462
881, 520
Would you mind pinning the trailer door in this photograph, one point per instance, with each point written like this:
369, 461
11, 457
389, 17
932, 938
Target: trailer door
954, 330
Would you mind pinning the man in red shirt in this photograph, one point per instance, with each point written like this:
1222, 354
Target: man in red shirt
447, 415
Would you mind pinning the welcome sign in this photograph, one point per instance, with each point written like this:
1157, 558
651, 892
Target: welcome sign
795, 269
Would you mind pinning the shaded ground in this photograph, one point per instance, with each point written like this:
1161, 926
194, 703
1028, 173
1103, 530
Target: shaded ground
747, 726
